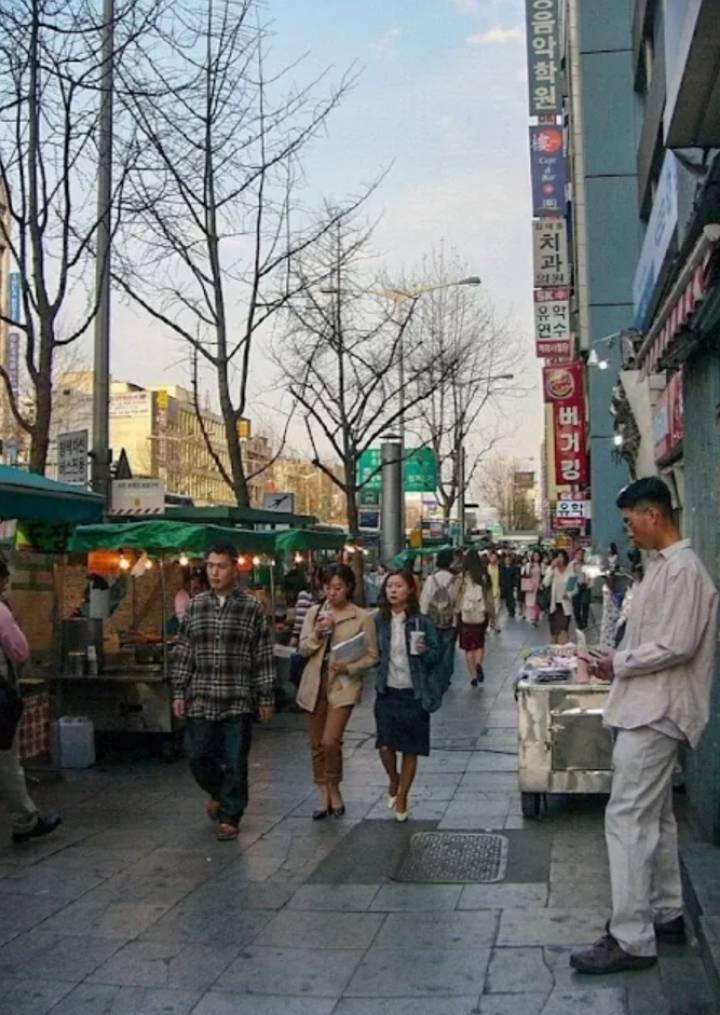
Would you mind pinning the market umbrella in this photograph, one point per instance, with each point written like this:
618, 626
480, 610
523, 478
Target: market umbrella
406, 556
32, 498
309, 539
158, 537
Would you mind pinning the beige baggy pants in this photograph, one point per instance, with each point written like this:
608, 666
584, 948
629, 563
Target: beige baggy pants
641, 835
14, 794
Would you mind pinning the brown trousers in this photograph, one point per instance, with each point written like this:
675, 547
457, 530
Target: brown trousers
327, 725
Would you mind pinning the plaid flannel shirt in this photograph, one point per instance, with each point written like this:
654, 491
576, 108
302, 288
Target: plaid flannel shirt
223, 665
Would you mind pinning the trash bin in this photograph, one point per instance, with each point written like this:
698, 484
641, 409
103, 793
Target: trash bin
73, 742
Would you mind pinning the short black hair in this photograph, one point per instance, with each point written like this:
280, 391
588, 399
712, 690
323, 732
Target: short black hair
224, 550
445, 557
344, 573
4, 570
646, 491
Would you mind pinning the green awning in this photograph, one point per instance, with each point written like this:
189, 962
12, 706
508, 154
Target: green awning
309, 539
422, 551
29, 497
157, 537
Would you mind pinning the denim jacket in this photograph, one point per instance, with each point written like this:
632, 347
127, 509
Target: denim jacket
424, 669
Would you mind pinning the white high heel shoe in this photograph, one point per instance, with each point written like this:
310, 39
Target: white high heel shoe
402, 815
391, 801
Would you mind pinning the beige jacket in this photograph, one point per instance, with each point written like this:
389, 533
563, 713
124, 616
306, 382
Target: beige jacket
346, 688
665, 664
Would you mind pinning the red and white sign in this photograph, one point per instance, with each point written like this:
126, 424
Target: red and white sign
673, 317
552, 323
563, 388
668, 418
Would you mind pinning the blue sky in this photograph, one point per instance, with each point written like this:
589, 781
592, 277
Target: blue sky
441, 100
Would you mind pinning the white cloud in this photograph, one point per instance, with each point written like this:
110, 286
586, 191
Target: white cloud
495, 36
385, 46
467, 6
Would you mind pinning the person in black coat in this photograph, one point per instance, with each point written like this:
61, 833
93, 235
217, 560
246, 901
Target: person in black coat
509, 582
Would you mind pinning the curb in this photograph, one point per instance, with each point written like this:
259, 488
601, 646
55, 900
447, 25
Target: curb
706, 925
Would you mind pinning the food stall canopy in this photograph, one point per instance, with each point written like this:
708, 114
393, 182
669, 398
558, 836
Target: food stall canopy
167, 537
423, 551
29, 497
310, 539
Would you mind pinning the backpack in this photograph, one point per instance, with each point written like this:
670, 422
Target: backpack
441, 608
472, 604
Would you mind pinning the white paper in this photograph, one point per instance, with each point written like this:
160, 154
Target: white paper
351, 650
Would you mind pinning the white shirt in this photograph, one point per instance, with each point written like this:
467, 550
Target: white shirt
399, 676
664, 667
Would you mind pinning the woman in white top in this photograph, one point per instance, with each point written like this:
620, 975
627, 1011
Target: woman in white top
409, 685
560, 609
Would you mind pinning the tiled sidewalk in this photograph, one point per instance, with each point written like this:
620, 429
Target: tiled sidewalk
134, 908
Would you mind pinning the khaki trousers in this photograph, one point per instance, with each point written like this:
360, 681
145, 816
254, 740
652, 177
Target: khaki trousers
14, 794
327, 725
641, 835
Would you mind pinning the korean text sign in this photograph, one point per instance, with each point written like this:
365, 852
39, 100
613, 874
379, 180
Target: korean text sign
544, 58
552, 323
563, 388
550, 253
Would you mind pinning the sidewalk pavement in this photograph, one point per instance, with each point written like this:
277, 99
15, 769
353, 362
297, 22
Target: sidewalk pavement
133, 908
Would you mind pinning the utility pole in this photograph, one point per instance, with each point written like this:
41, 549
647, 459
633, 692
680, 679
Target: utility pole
100, 470
461, 492
392, 533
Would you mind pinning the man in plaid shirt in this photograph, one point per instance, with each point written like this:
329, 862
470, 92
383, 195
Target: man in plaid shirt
223, 673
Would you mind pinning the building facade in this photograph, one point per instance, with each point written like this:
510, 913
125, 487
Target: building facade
315, 492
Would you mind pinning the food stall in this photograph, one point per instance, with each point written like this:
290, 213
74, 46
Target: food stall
563, 746
124, 684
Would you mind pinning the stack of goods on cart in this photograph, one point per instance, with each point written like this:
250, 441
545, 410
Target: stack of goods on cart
556, 664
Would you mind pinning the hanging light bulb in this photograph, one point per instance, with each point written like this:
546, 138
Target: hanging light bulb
603, 364
593, 358
124, 563
256, 561
298, 558
184, 560
241, 561
618, 440
149, 564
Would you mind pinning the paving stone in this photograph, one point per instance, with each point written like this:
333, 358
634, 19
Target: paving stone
589, 894
315, 972
415, 898
54, 956
161, 964
289, 928
512, 970
22, 912
208, 921
244, 894
96, 918
337, 898
31, 996
595, 1002
503, 895
47, 880
407, 972
101, 999
408, 1006
217, 1003
557, 960
512, 1004
549, 927
439, 930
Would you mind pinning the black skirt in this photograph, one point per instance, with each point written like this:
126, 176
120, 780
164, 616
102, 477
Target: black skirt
402, 723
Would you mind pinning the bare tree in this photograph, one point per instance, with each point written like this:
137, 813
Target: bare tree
513, 504
342, 355
471, 356
217, 217
51, 68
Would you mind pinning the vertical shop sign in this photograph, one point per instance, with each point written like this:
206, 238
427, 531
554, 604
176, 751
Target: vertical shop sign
543, 48
548, 170
552, 323
550, 253
563, 388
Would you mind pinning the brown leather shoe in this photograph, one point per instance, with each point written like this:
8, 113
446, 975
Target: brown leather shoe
213, 810
606, 956
673, 931
226, 832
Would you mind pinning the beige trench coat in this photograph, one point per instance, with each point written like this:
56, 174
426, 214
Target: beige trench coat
343, 689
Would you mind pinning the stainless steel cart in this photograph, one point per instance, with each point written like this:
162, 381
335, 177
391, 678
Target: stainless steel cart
563, 746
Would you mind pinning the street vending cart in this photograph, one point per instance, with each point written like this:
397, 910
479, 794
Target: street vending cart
563, 746
127, 688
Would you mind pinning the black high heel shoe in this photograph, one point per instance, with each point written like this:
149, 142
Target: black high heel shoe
322, 813
338, 812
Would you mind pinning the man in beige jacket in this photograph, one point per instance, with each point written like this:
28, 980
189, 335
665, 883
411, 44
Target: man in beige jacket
660, 699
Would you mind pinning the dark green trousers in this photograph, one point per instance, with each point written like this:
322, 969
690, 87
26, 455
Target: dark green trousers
218, 751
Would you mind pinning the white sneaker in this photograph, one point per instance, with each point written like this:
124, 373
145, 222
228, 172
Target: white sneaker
402, 815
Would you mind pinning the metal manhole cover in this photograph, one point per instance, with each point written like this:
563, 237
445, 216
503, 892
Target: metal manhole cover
454, 858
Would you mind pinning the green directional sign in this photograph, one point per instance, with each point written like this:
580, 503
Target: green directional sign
420, 471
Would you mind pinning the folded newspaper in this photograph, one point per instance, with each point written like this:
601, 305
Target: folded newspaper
351, 650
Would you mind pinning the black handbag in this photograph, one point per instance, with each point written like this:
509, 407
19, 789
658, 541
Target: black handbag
297, 665
11, 709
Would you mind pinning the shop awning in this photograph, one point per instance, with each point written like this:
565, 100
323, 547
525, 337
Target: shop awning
156, 537
309, 539
32, 498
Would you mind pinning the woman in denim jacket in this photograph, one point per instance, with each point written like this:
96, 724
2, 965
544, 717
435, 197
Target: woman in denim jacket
409, 685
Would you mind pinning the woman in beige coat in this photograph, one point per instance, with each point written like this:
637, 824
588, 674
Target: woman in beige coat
329, 690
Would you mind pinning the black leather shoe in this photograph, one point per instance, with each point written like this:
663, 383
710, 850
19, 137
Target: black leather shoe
606, 956
320, 814
339, 812
673, 931
44, 826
